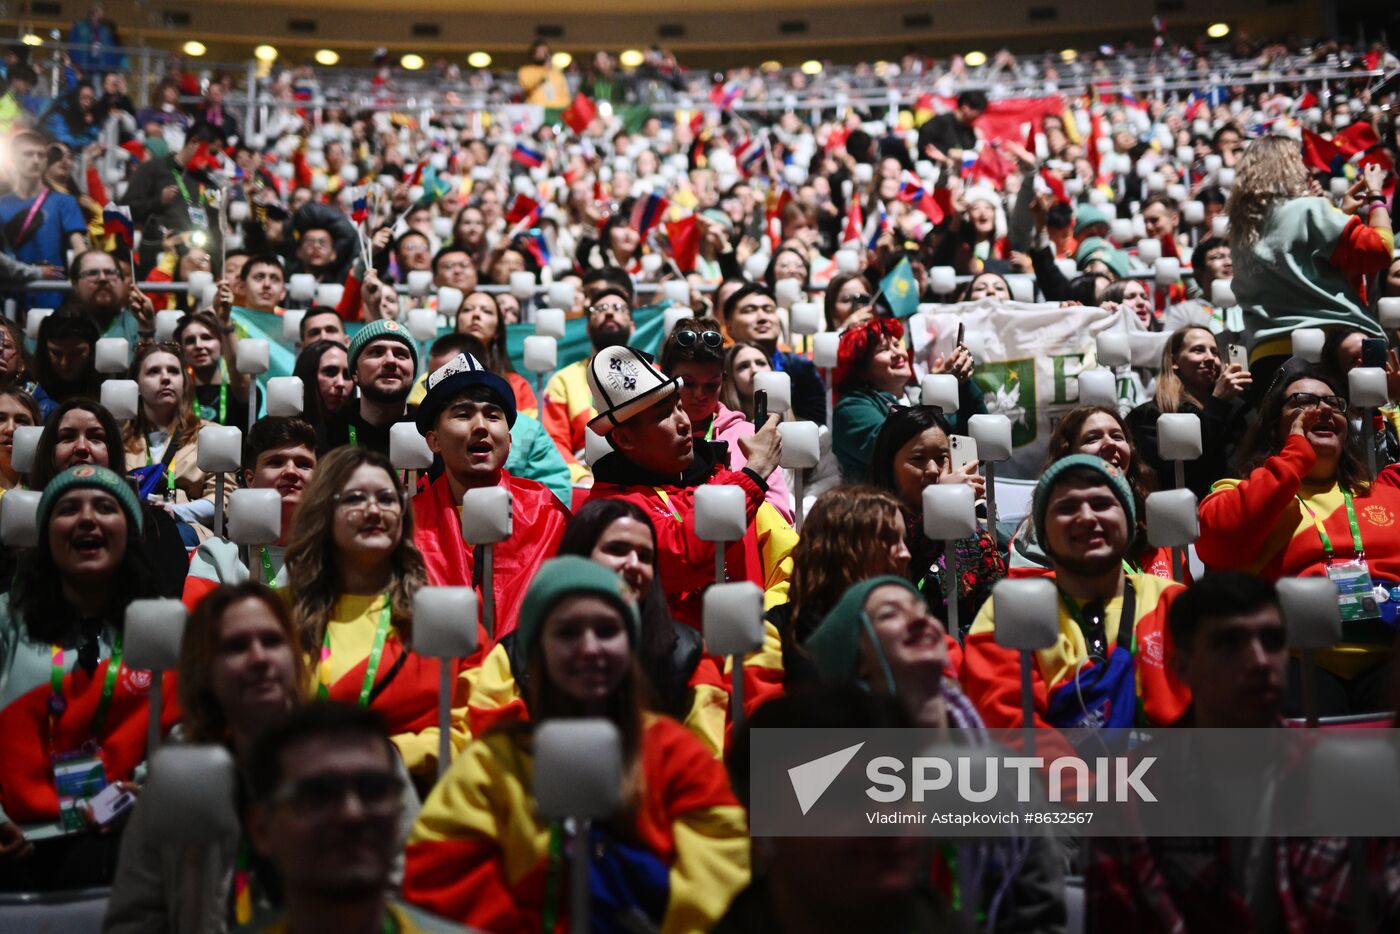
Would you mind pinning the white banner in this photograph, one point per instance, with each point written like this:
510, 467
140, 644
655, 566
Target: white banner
1029, 357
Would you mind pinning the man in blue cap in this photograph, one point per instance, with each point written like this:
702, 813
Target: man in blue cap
466, 418
383, 362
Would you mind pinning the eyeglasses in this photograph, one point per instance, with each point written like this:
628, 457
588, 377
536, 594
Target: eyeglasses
688, 338
379, 793
616, 309
358, 501
100, 274
858, 300
1308, 400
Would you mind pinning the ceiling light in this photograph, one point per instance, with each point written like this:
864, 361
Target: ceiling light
1218, 30
975, 59
631, 58
265, 53
562, 60
32, 39
194, 48
479, 59
811, 67
327, 57
411, 62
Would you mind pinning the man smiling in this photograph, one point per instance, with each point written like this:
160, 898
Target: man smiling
1109, 659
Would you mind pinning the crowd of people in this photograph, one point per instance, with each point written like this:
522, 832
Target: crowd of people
714, 284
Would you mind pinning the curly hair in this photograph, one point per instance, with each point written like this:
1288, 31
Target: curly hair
858, 347
313, 571
1270, 171
203, 720
834, 552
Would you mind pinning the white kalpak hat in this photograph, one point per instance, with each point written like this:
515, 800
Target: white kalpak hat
623, 383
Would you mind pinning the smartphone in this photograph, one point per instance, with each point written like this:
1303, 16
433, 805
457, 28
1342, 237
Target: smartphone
1239, 356
110, 803
760, 409
1373, 352
962, 450
961, 327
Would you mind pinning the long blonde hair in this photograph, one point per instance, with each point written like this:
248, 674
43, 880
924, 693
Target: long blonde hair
313, 571
1171, 392
1270, 171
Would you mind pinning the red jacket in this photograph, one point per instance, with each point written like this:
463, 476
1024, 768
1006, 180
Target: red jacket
537, 525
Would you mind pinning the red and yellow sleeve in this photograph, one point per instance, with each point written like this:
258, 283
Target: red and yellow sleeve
1237, 518
477, 855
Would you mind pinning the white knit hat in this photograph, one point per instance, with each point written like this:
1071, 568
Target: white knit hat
623, 383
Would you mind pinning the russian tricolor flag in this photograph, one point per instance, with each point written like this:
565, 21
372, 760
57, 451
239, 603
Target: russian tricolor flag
647, 213
530, 158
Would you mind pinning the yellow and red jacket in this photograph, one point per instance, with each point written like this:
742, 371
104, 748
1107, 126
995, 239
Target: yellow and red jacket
991, 674
1259, 525
480, 854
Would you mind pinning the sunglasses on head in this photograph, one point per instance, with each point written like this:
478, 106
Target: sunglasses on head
688, 338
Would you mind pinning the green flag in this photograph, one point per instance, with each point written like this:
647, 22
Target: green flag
900, 289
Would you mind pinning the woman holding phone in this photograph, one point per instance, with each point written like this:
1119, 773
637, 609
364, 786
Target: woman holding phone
1193, 381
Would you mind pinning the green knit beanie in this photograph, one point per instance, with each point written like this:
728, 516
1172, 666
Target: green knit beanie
566, 577
1112, 477
835, 644
93, 477
381, 329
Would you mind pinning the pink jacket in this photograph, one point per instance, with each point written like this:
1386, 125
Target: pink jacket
729, 426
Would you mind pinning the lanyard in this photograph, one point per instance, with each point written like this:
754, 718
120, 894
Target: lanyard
354, 437
710, 430
269, 576
169, 471
180, 183
376, 652
58, 703
1351, 520
242, 889
223, 405
669, 508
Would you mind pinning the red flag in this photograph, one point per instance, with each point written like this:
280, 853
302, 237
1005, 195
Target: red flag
522, 207
137, 150
95, 189
855, 223
1030, 135
203, 160
992, 165
1055, 184
580, 113
1320, 154
1091, 147
773, 216
684, 235
1355, 138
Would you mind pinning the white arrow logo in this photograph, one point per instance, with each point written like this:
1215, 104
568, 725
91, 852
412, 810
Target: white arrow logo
810, 780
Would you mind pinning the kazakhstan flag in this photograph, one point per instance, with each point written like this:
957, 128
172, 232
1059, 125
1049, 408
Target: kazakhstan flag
900, 289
